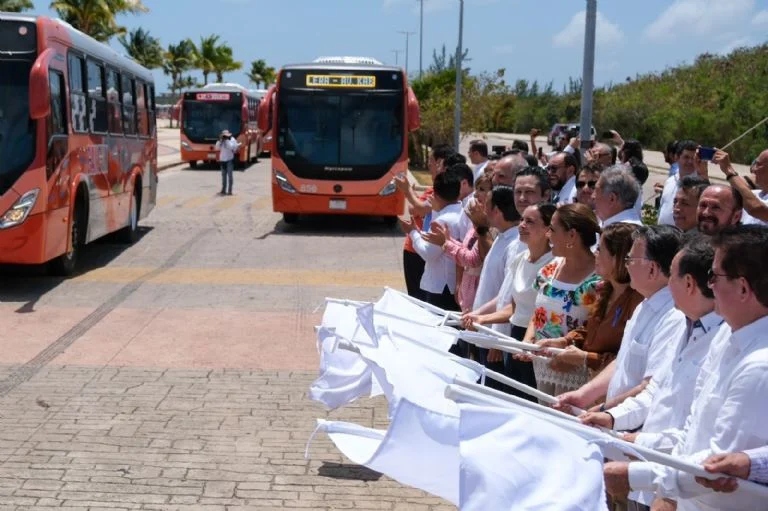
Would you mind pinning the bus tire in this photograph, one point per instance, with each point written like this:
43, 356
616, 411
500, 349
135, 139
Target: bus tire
130, 233
290, 218
66, 264
193, 164
390, 221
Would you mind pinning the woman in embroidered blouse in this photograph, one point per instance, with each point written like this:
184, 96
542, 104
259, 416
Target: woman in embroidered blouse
466, 252
567, 289
593, 346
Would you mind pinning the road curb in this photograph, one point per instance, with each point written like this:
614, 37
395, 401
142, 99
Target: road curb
165, 166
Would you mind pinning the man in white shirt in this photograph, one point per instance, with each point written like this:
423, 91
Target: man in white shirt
728, 413
755, 201
685, 210
719, 206
562, 169
649, 336
438, 282
615, 194
686, 160
478, 156
662, 407
227, 146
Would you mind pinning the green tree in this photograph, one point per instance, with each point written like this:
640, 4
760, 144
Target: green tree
207, 56
260, 73
225, 62
178, 59
143, 48
97, 18
16, 5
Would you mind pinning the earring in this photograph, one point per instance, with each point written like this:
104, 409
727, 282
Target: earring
569, 245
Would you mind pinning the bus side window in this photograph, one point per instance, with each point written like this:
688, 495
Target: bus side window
78, 93
97, 109
129, 105
114, 109
141, 109
57, 123
150, 98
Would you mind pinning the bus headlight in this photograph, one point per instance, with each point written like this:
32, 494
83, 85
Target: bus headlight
284, 183
20, 210
186, 146
268, 138
389, 189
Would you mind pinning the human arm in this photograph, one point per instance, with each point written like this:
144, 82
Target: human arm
752, 204
404, 185
534, 134
428, 251
589, 392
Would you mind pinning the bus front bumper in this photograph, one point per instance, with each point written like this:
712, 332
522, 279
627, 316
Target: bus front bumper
23, 244
369, 205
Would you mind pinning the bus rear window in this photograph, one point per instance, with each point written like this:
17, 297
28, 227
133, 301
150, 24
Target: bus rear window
18, 38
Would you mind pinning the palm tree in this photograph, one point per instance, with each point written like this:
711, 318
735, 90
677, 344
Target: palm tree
97, 18
16, 5
143, 48
178, 58
206, 56
225, 63
261, 73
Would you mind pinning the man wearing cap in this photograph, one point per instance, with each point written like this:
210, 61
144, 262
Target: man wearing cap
227, 146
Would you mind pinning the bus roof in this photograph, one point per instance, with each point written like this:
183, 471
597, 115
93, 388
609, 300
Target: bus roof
343, 66
225, 87
59, 29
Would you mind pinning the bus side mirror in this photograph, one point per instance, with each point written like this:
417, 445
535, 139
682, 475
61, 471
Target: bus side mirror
414, 114
39, 86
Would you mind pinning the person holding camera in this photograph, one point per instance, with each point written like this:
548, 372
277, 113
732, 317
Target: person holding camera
227, 146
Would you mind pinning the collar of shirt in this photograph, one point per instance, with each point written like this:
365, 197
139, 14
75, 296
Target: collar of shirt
706, 322
743, 338
511, 233
628, 216
660, 300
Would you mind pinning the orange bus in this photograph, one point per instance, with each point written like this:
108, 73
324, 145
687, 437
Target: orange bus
266, 130
208, 111
341, 129
78, 144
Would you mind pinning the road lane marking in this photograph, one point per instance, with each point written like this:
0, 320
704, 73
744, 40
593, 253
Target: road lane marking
246, 276
195, 202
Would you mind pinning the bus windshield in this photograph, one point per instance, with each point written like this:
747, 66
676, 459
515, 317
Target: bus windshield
17, 140
204, 121
326, 135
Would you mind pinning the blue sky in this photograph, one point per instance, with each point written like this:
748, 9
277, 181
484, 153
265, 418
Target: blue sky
535, 40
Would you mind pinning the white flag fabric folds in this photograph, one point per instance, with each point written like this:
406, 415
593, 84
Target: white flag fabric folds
512, 460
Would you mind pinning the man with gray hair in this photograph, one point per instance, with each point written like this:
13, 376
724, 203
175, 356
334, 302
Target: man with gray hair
615, 195
507, 168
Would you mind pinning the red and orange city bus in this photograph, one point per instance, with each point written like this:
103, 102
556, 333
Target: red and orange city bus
78, 142
208, 111
266, 130
340, 128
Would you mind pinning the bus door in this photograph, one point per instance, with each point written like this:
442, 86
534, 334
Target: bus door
57, 139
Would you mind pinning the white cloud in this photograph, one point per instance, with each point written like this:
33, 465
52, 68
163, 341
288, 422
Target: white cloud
698, 17
606, 33
761, 18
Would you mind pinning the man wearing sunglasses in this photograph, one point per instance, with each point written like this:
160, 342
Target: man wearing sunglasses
616, 192
562, 171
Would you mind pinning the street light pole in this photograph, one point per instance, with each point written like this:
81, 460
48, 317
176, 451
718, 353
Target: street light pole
421, 36
397, 54
457, 107
588, 77
407, 35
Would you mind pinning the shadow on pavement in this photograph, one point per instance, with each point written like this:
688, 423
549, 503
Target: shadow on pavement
347, 471
22, 283
337, 225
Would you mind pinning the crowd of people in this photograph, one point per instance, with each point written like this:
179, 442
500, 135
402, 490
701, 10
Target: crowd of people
662, 329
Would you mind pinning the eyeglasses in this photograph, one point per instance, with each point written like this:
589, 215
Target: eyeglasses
712, 276
554, 168
628, 259
581, 184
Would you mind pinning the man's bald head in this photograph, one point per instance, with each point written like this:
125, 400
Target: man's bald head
507, 168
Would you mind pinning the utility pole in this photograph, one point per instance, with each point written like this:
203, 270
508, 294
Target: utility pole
421, 36
588, 77
397, 54
457, 107
407, 35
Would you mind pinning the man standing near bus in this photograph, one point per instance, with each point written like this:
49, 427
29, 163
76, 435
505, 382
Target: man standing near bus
227, 146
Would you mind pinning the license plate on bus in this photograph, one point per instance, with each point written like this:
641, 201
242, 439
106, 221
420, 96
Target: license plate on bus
212, 156
338, 204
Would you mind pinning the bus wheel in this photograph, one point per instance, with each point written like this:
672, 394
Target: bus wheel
66, 264
390, 221
290, 218
193, 164
130, 233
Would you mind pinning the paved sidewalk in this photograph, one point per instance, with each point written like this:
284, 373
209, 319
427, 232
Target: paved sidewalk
149, 439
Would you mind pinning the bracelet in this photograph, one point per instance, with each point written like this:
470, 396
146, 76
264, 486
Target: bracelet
730, 176
613, 420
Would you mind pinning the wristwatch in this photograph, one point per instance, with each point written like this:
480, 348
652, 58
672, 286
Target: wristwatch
730, 176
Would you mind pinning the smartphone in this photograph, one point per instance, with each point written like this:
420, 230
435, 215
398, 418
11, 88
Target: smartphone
607, 135
707, 153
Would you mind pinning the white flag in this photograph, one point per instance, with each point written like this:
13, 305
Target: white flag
512, 460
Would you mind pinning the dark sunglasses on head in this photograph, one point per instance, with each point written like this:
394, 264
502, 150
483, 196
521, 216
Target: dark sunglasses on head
591, 184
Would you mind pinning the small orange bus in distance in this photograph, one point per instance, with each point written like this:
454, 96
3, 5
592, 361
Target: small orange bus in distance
266, 130
78, 144
208, 111
340, 136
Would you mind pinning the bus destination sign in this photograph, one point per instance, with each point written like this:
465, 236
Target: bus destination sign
351, 81
212, 96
